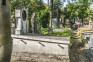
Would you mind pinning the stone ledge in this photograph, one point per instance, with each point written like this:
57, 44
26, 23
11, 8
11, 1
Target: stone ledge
53, 39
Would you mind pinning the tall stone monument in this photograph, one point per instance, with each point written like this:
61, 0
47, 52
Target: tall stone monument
5, 31
33, 24
21, 20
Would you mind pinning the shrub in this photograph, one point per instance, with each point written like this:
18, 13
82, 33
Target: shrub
65, 33
42, 19
45, 31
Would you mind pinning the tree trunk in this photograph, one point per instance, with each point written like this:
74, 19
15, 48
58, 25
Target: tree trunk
74, 20
50, 23
64, 22
51, 9
58, 17
70, 23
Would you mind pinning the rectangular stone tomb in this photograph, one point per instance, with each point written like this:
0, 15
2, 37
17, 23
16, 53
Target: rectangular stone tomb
40, 48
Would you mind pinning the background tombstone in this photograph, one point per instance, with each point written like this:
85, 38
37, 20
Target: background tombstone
12, 25
54, 22
33, 24
21, 20
5, 31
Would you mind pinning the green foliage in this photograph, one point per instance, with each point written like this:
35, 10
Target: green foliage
71, 41
78, 9
81, 38
32, 5
65, 33
57, 4
72, 11
45, 31
43, 18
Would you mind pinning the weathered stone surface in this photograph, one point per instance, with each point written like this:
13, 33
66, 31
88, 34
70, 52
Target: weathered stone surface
5, 52
40, 49
54, 39
41, 58
21, 21
54, 22
33, 23
5, 31
5, 26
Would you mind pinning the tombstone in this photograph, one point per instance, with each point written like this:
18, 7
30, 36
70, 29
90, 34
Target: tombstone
21, 20
61, 22
33, 24
72, 21
12, 25
54, 22
5, 31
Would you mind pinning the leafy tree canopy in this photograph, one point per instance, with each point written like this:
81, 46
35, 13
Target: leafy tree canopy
31, 5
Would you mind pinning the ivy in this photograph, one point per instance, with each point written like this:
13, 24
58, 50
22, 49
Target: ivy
42, 19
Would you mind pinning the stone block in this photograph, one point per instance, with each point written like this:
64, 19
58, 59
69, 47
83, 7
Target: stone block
40, 49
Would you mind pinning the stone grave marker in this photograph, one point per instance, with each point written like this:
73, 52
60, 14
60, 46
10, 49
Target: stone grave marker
21, 20
54, 22
33, 24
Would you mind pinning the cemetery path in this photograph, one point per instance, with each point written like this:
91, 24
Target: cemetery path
78, 53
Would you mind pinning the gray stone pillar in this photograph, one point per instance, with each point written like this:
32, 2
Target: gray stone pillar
5, 31
33, 23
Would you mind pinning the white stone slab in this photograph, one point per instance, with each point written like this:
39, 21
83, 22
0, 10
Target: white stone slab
17, 13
